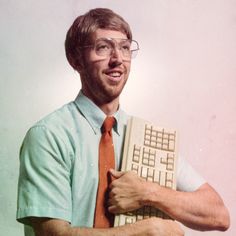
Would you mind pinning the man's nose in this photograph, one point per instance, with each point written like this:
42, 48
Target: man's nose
116, 56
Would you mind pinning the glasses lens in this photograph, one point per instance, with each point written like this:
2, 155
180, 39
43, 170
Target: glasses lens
105, 47
125, 46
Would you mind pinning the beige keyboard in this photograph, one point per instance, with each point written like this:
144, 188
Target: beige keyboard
150, 152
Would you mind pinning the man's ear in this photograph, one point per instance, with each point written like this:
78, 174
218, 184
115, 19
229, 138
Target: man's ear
76, 63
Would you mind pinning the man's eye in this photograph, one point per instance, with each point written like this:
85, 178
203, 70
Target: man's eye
102, 47
125, 47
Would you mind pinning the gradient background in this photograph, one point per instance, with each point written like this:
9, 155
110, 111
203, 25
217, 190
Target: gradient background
184, 77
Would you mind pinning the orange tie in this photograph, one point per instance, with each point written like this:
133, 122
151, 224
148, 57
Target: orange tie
102, 218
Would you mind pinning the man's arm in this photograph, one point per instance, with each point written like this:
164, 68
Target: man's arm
202, 209
148, 227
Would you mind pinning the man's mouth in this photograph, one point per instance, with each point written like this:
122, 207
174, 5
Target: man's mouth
114, 76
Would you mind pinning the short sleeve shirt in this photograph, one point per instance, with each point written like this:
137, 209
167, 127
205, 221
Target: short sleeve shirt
59, 164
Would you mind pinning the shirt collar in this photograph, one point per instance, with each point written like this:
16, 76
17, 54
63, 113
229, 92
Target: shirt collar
94, 115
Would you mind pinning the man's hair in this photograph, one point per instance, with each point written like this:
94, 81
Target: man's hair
79, 34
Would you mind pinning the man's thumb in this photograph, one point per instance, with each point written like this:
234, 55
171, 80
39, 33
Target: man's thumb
116, 174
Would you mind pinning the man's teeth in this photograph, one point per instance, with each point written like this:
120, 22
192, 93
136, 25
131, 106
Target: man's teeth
115, 74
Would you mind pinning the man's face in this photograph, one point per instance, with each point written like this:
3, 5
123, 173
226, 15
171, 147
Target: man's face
103, 77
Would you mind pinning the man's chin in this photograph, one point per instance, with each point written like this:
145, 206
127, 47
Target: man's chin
111, 96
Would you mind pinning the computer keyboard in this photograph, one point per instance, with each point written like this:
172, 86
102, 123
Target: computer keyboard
151, 152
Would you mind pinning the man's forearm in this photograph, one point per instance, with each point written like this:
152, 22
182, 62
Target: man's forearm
55, 227
149, 227
201, 210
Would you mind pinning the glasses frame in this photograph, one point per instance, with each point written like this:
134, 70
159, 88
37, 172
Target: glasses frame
134, 52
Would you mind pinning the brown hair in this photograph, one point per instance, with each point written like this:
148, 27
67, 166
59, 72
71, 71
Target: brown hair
85, 25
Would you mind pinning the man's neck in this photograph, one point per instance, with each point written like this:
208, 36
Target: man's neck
110, 108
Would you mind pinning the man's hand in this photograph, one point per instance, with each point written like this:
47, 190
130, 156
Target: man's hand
202, 209
126, 192
157, 226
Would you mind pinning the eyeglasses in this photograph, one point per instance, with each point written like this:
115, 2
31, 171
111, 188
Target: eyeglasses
106, 46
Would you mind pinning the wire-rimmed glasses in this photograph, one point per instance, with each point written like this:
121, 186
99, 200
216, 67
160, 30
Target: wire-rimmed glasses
105, 47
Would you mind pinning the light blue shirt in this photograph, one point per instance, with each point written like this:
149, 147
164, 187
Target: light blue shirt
59, 164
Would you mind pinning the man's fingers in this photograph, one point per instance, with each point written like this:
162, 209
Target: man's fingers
112, 209
116, 174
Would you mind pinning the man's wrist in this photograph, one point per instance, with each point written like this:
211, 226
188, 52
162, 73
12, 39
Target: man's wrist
149, 194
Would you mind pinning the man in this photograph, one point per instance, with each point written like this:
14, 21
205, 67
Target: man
59, 183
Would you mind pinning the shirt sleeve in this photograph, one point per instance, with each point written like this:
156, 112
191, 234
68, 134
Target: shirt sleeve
44, 181
188, 179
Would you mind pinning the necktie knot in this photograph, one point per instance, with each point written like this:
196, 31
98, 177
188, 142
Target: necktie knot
108, 124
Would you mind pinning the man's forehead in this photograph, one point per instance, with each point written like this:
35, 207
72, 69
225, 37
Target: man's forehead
107, 33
